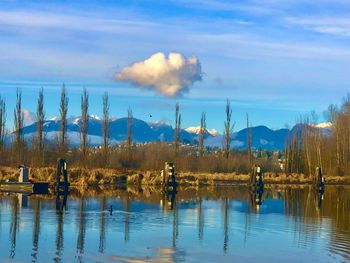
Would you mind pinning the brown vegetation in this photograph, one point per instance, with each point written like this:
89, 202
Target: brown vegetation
90, 177
309, 147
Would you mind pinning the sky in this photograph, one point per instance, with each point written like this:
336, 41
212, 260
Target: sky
273, 59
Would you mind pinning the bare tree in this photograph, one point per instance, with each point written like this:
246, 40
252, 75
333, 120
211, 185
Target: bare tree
228, 130
84, 122
129, 133
201, 134
40, 116
249, 141
317, 140
63, 112
333, 114
18, 123
105, 125
306, 133
2, 122
177, 130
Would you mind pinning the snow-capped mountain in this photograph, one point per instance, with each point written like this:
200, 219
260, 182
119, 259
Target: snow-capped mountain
262, 137
324, 125
196, 130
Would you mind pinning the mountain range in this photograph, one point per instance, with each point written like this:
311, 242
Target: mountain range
262, 136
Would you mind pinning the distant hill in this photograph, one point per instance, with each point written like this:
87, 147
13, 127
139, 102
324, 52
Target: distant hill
263, 137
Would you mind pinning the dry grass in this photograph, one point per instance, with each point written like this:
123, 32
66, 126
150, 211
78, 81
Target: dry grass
88, 177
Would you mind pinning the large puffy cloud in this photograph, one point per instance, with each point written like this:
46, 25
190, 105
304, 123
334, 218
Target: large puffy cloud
170, 76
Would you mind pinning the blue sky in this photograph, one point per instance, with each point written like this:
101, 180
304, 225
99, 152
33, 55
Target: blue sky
274, 59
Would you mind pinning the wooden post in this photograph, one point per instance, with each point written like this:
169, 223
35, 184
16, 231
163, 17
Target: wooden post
169, 177
320, 180
23, 174
62, 172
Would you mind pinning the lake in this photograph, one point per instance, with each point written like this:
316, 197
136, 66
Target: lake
206, 224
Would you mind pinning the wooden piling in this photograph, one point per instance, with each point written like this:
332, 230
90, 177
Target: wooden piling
62, 173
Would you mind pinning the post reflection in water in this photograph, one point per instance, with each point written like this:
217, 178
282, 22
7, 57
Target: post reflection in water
168, 204
103, 204
82, 230
319, 198
61, 205
226, 223
61, 201
14, 226
308, 225
127, 217
175, 220
200, 218
36, 230
256, 200
22, 200
168, 201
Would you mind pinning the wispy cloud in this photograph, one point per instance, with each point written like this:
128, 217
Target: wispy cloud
337, 26
51, 20
244, 6
245, 46
264, 7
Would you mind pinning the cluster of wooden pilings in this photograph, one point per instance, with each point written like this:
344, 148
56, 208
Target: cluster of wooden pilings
170, 185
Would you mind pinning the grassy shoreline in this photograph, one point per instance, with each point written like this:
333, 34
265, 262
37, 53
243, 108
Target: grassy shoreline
87, 177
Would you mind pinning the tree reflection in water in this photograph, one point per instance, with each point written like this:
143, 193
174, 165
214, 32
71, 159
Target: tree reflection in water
308, 216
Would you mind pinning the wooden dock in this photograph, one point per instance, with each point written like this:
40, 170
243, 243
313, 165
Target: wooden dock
25, 187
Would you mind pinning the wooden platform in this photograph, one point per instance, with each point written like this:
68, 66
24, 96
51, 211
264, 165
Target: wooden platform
27, 187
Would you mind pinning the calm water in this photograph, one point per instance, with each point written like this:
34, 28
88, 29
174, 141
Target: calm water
222, 224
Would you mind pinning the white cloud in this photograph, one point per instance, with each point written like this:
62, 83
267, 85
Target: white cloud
52, 20
28, 117
337, 26
170, 76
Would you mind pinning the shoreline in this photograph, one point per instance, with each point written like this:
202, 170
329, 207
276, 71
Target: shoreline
101, 176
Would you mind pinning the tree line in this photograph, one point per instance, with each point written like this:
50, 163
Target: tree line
38, 151
309, 146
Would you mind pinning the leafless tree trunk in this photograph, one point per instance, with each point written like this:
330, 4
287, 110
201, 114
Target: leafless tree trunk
306, 139
84, 122
63, 112
287, 166
228, 130
129, 134
334, 118
105, 126
18, 121
249, 142
177, 130
2, 122
40, 115
201, 134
